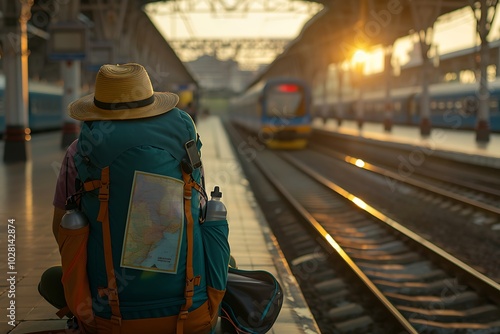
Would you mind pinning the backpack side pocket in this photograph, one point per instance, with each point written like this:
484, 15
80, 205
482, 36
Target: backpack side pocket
73, 249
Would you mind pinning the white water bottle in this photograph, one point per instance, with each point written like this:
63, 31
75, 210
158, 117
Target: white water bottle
73, 219
216, 210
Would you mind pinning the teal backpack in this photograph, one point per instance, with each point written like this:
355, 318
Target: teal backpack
130, 164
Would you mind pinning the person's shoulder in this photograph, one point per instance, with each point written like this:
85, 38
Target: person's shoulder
72, 148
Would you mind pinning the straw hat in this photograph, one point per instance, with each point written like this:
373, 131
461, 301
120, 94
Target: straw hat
122, 92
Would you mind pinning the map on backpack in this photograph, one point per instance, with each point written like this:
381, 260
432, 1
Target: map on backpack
155, 223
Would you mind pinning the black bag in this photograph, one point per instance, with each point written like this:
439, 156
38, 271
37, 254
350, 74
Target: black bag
252, 301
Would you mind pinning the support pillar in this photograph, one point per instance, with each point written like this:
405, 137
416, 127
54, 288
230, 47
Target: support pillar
15, 61
360, 109
340, 92
71, 73
360, 105
388, 112
424, 15
324, 106
425, 112
109, 28
484, 11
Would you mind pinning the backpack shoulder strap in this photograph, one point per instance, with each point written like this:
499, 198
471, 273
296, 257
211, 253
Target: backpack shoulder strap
111, 291
191, 281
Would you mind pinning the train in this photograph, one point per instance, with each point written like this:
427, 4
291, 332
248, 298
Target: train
45, 106
452, 105
277, 111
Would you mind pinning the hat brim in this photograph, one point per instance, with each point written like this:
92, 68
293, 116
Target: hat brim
84, 108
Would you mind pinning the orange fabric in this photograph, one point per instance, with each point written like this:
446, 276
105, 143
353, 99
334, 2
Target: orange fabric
73, 249
214, 300
111, 291
199, 323
190, 279
91, 185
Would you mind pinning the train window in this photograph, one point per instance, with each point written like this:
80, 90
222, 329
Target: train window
284, 100
450, 76
491, 72
412, 106
470, 106
493, 106
433, 105
467, 76
397, 106
458, 105
449, 105
441, 105
33, 106
44, 104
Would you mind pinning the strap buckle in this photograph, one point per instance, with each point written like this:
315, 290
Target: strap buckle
116, 320
189, 291
112, 295
104, 192
183, 315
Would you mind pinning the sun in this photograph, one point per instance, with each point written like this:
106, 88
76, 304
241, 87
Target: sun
368, 62
359, 56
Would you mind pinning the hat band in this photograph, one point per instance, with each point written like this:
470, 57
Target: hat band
124, 105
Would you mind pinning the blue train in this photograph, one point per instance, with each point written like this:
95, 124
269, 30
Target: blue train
452, 105
45, 106
277, 111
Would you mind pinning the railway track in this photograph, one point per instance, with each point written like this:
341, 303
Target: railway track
421, 167
390, 280
482, 201
458, 208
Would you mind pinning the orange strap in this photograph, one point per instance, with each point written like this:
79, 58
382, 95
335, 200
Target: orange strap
196, 186
191, 281
111, 291
91, 185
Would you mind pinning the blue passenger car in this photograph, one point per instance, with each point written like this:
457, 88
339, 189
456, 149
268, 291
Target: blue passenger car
45, 107
452, 105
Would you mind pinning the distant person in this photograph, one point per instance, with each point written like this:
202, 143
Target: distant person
140, 263
324, 113
191, 110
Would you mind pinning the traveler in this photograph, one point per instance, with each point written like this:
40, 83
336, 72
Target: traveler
133, 176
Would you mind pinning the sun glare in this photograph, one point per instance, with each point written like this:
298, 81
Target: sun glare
359, 56
368, 61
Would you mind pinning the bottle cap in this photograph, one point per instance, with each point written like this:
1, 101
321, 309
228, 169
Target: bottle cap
216, 192
70, 203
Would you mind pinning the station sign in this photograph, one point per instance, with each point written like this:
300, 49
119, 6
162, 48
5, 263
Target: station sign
68, 41
100, 53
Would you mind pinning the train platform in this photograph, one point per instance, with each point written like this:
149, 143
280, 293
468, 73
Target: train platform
26, 196
456, 144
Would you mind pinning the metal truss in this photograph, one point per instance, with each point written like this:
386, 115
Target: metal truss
236, 6
229, 48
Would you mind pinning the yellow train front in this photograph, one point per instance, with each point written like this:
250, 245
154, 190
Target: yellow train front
276, 111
